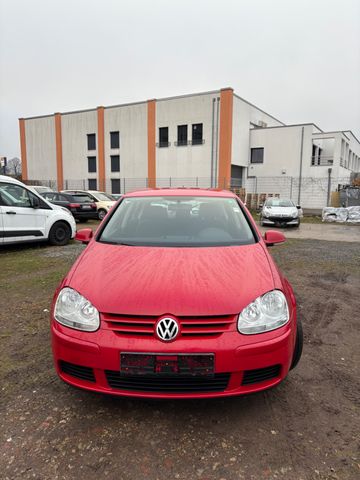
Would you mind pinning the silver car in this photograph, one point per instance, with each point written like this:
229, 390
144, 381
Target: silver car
280, 212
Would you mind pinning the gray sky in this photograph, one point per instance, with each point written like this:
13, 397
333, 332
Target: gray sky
299, 60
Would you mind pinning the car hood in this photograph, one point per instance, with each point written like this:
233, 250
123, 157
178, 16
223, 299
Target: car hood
179, 281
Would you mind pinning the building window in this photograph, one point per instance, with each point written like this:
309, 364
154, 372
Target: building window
257, 155
91, 141
163, 136
115, 163
115, 185
114, 140
91, 164
182, 135
92, 182
197, 134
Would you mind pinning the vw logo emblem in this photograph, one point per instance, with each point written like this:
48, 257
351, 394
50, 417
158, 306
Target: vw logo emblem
167, 329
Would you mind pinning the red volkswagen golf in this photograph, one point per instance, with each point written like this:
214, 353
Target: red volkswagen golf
176, 296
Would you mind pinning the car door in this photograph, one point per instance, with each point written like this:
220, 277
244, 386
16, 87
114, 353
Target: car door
22, 216
1, 222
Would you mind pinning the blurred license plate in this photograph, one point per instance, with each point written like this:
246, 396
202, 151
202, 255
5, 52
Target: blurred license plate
161, 364
86, 207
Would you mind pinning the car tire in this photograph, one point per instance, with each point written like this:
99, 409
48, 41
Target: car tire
59, 234
298, 345
101, 213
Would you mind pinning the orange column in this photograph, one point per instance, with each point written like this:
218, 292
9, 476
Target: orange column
226, 116
59, 157
23, 149
151, 129
101, 147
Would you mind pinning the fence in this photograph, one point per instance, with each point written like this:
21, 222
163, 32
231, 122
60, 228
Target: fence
310, 192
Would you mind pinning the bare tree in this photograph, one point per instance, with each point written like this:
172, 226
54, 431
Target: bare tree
14, 166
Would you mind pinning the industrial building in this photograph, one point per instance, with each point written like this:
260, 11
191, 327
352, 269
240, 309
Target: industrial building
211, 139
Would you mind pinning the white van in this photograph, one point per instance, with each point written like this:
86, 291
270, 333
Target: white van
25, 216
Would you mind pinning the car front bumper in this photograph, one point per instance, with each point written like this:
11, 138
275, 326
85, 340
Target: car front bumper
243, 363
280, 221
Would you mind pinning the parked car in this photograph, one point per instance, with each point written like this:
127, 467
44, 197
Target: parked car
40, 188
79, 204
280, 212
103, 200
189, 305
26, 216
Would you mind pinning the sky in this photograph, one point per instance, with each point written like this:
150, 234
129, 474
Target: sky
298, 60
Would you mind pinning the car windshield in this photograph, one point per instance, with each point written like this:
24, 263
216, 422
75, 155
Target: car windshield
103, 197
182, 221
279, 202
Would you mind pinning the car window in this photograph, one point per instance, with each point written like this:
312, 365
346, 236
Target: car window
62, 198
51, 196
14, 195
178, 221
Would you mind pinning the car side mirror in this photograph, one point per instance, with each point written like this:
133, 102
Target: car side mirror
272, 237
84, 235
34, 201
298, 207
261, 205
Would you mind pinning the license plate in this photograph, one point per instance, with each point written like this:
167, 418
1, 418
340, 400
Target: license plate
86, 207
163, 364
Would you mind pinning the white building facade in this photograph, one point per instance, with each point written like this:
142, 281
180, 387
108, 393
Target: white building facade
211, 139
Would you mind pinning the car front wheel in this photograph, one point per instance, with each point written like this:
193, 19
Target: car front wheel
59, 234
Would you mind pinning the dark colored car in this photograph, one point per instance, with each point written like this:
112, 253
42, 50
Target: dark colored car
80, 205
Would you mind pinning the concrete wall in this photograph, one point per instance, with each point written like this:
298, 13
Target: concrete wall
184, 162
282, 149
41, 148
75, 127
243, 115
131, 123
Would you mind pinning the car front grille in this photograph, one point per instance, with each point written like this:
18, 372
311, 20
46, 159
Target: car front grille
77, 371
168, 383
204, 326
281, 219
260, 374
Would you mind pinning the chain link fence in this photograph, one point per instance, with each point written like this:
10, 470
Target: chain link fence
309, 192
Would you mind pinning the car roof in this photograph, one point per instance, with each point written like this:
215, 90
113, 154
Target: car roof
5, 178
181, 192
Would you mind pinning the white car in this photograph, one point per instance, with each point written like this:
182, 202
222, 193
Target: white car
280, 212
25, 216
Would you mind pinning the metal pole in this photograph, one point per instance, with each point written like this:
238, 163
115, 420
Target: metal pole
329, 187
301, 161
217, 137
212, 144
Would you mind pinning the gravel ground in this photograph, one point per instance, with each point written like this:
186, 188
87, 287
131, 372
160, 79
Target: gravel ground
306, 428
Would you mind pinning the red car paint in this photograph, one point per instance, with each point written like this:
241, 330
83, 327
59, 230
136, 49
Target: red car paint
182, 283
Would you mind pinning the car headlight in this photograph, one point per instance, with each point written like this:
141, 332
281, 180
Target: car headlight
266, 213
75, 311
267, 312
295, 214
